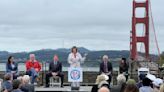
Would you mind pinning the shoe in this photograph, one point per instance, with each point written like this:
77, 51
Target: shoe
62, 86
47, 86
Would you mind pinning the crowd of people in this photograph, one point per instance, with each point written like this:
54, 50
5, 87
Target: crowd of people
13, 82
147, 83
21, 84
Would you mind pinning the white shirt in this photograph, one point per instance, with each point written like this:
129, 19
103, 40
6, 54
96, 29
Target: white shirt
75, 60
145, 89
13, 66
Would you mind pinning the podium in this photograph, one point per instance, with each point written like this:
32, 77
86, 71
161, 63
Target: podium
75, 75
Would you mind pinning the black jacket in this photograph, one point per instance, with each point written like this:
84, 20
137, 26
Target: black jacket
94, 88
123, 68
28, 88
55, 68
9, 68
110, 67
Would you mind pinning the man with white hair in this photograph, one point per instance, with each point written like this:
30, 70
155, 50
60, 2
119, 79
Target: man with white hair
106, 68
33, 68
26, 84
103, 89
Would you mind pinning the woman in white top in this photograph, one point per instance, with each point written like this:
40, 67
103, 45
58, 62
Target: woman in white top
75, 59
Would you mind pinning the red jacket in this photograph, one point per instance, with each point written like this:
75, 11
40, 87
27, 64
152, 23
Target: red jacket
36, 65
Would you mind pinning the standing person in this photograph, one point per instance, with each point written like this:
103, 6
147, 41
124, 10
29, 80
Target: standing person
12, 67
33, 68
106, 68
123, 67
55, 69
74, 59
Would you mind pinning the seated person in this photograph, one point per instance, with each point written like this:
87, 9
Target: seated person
16, 86
141, 77
12, 67
104, 89
106, 68
100, 81
121, 82
26, 84
20, 78
7, 84
146, 85
33, 68
55, 69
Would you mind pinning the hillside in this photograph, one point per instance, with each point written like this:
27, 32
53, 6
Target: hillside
46, 55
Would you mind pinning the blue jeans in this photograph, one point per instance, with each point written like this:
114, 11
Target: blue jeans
33, 74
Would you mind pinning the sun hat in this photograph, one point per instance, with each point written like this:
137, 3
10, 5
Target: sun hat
157, 82
151, 77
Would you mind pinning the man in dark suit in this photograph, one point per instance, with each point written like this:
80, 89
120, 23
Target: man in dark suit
55, 69
106, 68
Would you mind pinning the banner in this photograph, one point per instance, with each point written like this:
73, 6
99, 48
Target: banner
75, 74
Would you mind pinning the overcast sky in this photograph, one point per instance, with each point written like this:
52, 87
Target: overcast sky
27, 25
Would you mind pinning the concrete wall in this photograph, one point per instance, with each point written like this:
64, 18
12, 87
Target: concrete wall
89, 78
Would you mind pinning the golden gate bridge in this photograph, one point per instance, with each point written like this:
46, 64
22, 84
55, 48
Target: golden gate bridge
148, 24
144, 39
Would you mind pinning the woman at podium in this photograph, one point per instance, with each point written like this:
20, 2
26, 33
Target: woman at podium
75, 59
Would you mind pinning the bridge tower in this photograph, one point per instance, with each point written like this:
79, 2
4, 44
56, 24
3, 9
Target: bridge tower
134, 39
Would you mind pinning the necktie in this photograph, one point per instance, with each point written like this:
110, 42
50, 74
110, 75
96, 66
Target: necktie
105, 67
55, 63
